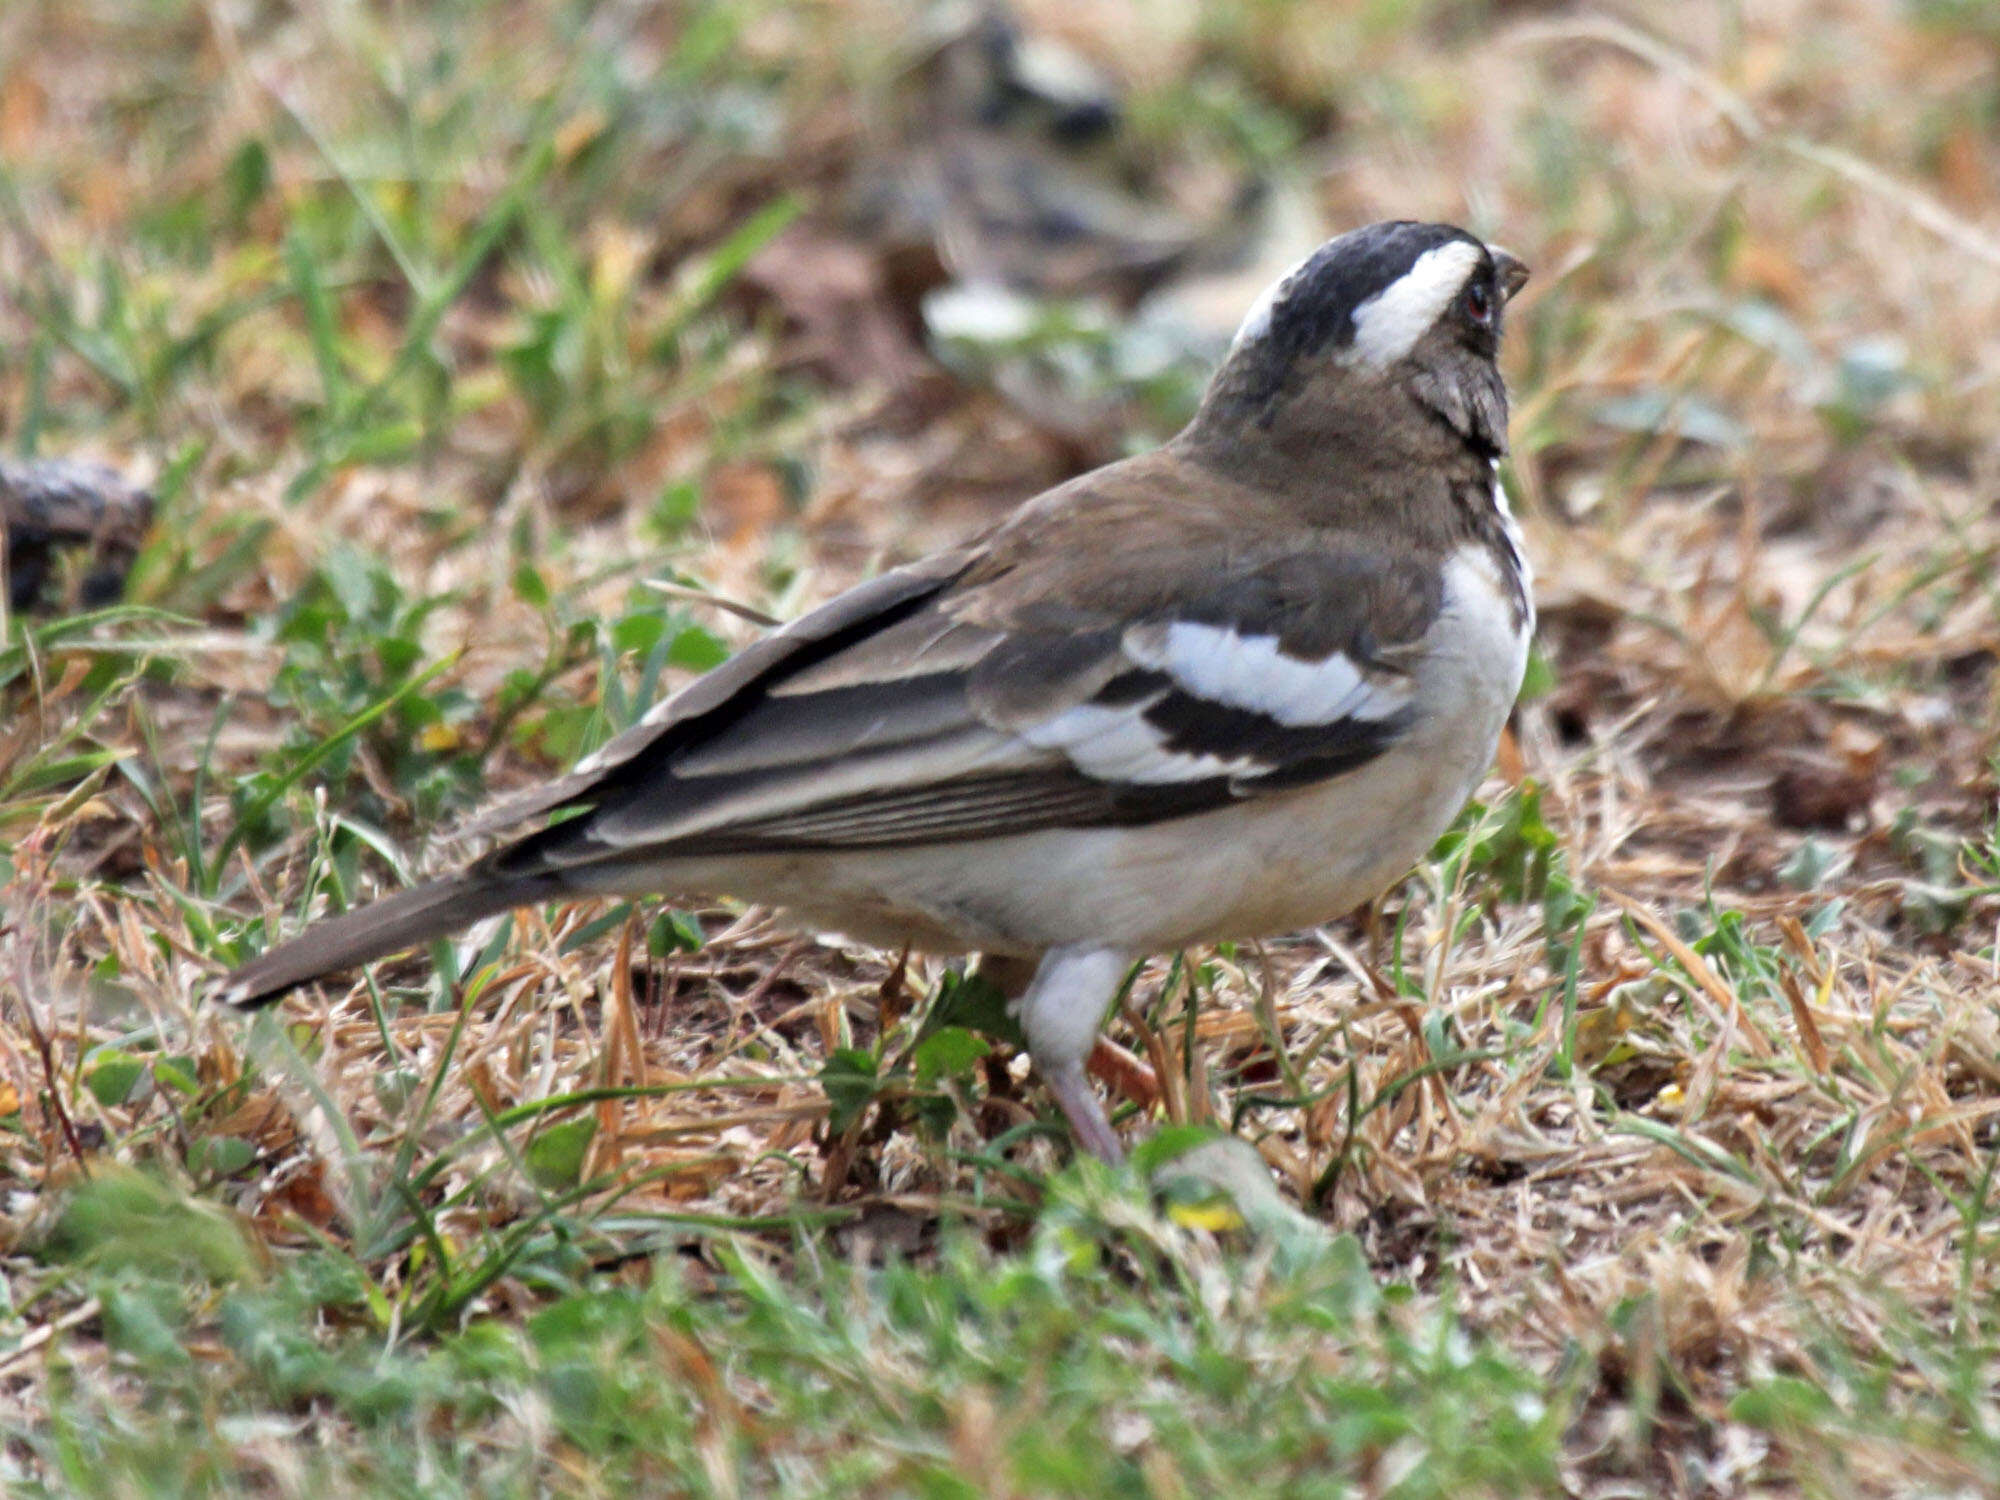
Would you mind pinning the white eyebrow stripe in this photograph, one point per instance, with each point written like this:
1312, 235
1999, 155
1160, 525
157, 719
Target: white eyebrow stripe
1388, 325
1251, 672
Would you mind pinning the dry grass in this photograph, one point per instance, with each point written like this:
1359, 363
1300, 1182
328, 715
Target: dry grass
1677, 1073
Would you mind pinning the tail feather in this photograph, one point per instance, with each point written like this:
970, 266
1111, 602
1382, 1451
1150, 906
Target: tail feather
377, 930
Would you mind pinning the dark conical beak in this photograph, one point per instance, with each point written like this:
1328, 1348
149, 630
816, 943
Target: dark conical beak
1512, 274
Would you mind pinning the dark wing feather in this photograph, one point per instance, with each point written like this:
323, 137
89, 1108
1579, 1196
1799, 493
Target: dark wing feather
943, 716
862, 610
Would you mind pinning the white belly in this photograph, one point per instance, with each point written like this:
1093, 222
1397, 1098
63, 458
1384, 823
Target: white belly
1262, 866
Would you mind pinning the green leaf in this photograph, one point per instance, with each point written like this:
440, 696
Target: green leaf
1783, 1403
530, 587
674, 932
222, 1155
113, 1076
975, 1004
677, 509
246, 178
1169, 1143
123, 1218
178, 1074
948, 1052
698, 650
135, 1326
639, 632
555, 1157
1539, 678
597, 927
851, 1081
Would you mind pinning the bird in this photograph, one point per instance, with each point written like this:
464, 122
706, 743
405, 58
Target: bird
1232, 687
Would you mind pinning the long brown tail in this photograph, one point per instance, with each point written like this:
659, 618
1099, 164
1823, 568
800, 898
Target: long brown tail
374, 931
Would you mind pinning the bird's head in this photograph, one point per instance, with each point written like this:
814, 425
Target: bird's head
1385, 338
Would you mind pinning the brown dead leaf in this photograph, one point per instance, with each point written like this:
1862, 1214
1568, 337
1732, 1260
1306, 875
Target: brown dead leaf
577, 132
1123, 1073
74, 671
1507, 759
745, 500
1816, 791
1762, 266
23, 106
1860, 750
1802, 1016
478, 1077
304, 1193
1965, 168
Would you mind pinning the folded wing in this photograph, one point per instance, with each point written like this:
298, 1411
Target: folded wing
953, 707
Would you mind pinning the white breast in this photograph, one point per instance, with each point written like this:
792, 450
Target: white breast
1476, 652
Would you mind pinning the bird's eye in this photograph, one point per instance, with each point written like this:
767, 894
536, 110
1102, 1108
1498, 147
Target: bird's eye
1477, 301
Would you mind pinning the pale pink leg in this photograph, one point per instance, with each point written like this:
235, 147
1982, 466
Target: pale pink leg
1061, 1012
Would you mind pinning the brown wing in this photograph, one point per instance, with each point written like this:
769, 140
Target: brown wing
1001, 692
